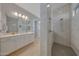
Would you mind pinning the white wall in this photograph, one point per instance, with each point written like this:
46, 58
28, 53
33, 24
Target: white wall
75, 30
43, 30
62, 28
0, 18
46, 40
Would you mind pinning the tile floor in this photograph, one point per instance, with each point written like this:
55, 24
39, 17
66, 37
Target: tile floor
61, 50
32, 49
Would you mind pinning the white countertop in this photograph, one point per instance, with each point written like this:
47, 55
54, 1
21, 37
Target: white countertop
2, 35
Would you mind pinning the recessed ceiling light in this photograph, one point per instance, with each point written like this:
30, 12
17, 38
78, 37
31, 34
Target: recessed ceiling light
20, 15
73, 13
15, 13
48, 5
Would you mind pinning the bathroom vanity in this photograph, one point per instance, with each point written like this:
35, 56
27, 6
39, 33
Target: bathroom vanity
16, 28
12, 42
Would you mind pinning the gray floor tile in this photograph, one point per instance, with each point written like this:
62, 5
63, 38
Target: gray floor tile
60, 50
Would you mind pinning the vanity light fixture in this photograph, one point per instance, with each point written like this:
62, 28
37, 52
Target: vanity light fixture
20, 15
15, 13
26, 17
23, 16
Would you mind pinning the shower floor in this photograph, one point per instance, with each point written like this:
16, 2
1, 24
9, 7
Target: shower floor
61, 50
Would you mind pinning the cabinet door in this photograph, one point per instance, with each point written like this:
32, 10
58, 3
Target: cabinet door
8, 45
28, 38
19, 41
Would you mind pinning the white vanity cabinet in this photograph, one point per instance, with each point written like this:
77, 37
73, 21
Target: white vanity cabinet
12, 43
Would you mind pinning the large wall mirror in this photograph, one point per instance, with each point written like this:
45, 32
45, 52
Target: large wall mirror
17, 20
18, 25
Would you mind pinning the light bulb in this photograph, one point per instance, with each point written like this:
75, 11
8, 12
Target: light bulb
26, 17
15, 13
23, 16
20, 15
48, 5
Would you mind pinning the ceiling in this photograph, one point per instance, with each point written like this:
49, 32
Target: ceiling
57, 5
10, 9
34, 8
